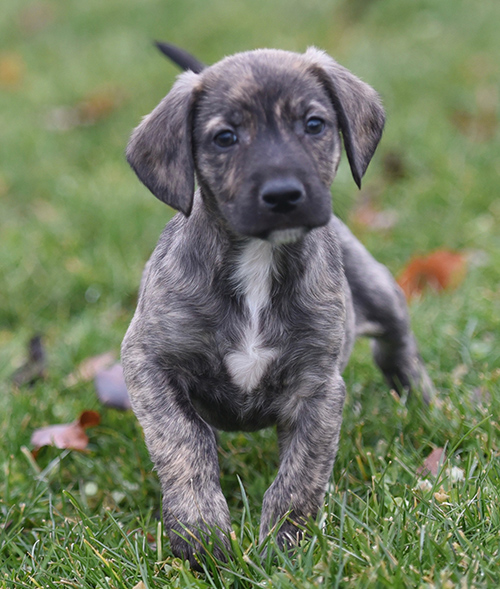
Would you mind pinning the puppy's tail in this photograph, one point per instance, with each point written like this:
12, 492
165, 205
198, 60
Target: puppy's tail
180, 57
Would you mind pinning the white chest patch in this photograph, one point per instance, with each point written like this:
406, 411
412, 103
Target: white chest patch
248, 363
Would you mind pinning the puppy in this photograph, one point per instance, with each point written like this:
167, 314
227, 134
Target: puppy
252, 299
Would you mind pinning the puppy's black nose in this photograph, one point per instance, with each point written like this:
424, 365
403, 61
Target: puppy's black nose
282, 195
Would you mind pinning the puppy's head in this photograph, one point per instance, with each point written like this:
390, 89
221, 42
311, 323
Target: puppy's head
261, 132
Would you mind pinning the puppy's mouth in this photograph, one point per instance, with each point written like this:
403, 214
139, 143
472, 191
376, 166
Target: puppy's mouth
281, 214
286, 236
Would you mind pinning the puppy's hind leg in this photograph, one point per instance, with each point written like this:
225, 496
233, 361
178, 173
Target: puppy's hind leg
382, 314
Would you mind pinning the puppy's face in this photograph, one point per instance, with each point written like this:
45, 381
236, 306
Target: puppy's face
260, 130
266, 145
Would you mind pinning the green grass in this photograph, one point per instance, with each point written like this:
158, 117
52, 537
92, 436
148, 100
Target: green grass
77, 228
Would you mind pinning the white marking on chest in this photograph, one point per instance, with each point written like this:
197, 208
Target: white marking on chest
253, 275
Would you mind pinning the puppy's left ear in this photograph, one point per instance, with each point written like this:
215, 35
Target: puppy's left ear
160, 149
360, 113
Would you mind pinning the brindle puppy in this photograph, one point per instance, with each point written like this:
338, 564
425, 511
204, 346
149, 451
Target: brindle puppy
251, 301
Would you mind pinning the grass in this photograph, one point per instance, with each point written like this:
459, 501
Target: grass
77, 228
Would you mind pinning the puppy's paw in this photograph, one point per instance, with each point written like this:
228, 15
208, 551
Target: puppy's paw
199, 542
289, 536
287, 539
404, 370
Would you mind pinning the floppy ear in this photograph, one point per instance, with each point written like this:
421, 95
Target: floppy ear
360, 113
160, 150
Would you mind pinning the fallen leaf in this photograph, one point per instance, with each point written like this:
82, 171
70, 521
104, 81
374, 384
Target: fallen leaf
12, 68
439, 270
140, 585
394, 166
89, 418
480, 127
34, 367
98, 105
481, 124
441, 496
432, 463
67, 435
88, 369
367, 214
111, 388
94, 107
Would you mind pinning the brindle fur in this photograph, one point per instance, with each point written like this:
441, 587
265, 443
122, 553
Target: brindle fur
231, 283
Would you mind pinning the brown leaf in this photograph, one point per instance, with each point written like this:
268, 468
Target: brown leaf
367, 215
440, 270
111, 388
97, 105
88, 369
432, 463
93, 108
480, 127
394, 166
67, 435
479, 124
34, 367
89, 418
441, 496
12, 68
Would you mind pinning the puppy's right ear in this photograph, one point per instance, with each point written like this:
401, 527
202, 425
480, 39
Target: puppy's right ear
160, 150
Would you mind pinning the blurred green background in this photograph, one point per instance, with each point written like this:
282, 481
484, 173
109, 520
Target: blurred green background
76, 77
76, 226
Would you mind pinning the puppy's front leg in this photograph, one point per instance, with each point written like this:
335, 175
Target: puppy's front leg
308, 435
184, 451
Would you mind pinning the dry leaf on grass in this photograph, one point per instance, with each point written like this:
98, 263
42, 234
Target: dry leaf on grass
34, 367
394, 166
432, 463
12, 68
98, 105
111, 388
441, 496
480, 125
439, 270
67, 435
368, 215
95, 107
88, 369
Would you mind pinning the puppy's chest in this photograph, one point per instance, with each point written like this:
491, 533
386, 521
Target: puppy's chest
250, 354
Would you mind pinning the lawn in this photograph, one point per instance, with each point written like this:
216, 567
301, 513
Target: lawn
77, 227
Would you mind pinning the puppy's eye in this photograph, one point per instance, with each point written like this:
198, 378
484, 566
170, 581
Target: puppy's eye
315, 125
225, 139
